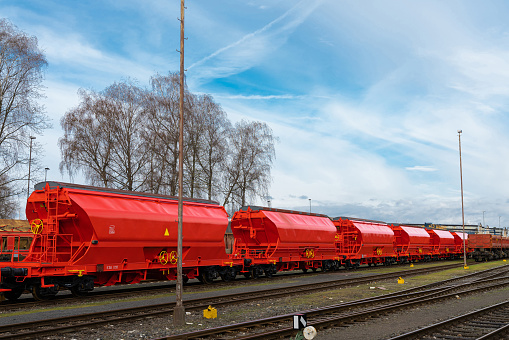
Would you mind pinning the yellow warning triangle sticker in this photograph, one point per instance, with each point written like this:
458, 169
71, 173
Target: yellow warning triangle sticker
166, 233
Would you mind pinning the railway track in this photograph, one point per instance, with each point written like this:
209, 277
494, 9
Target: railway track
124, 292
487, 323
356, 311
74, 323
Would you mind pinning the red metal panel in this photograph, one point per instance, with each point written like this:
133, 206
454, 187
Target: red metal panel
302, 229
476, 241
417, 235
374, 234
446, 238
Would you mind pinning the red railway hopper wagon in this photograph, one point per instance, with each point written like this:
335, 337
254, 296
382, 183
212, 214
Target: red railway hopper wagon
488, 247
412, 244
364, 242
86, 236
458, 243
442, 242
270, 240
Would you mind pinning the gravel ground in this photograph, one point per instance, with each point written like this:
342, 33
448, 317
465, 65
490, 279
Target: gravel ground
394, 324
381, 328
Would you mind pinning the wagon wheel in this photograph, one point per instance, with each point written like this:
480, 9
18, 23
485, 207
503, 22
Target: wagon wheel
14, 294
228, 275
41, 295
77, 292
247, 275
254, 273
204, 277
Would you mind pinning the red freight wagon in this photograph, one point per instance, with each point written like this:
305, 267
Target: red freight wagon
412, 243
458, 242
364, 242
442, 242
480, 241
488, 247
271, 240
86, 236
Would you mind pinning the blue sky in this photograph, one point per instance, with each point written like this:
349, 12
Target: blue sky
366, 97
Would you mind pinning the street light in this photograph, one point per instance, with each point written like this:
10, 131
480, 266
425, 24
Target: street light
45, 174
462, 206
309, 205
29, 165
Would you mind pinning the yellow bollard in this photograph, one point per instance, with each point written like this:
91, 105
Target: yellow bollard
465, 267
505, 260
210, 313
400, 280
411, 265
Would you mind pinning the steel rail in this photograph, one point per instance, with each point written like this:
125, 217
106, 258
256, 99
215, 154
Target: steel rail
415, 299
462, 321
323, 322
33, 328
7, 305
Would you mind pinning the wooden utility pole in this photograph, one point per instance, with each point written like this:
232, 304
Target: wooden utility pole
179, 313
462, 207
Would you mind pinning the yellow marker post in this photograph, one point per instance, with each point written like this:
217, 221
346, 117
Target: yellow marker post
210, 313
411, 265
465, 267
400, 281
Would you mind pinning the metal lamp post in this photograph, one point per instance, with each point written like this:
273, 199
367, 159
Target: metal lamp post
462, 206
29, 166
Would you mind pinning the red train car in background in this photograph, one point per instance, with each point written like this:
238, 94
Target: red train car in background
270, 240
412, 243
364, 242
442, 242
460, 238
488, 247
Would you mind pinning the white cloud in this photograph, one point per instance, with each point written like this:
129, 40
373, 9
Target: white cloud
421, 168
253, 47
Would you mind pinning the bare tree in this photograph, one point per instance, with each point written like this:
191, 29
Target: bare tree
126, 137
87, 143
193, 148
247, 167
21, 74
215, 131
105, 137
127, 121
163, 135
